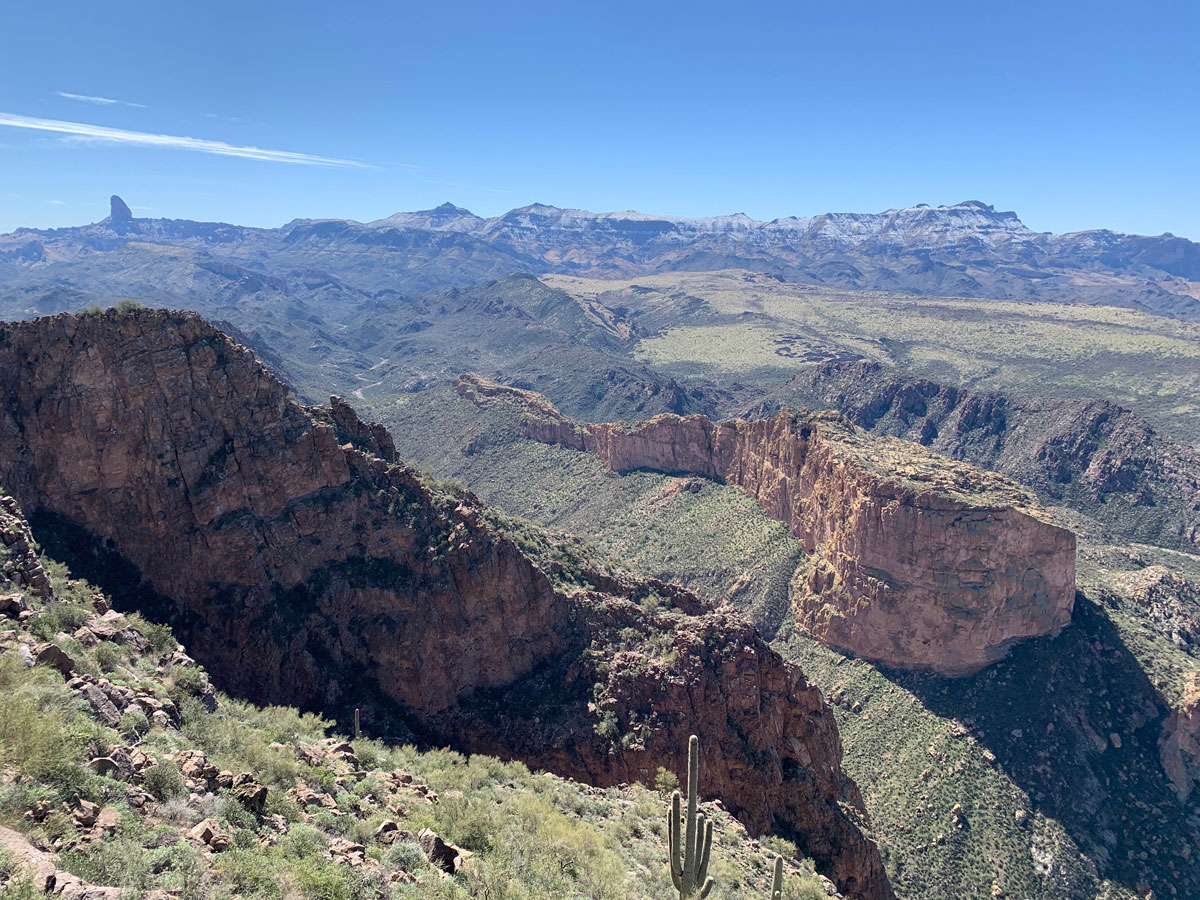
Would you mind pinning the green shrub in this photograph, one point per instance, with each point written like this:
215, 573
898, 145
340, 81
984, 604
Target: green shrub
303, 841
160, 637
119, 863
608, 727
41, 734
163, 781
187, 680
665, 781
21, 888
248, 874
322, 880
134, 724
406, 855
108, 657
45, 626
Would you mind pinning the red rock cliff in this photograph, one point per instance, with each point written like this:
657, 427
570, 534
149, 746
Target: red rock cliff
915, 560
305, 569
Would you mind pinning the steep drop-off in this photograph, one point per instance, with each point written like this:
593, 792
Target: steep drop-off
1090, 454
301, 567
915, 561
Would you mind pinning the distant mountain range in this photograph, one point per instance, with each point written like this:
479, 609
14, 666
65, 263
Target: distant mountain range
969, 250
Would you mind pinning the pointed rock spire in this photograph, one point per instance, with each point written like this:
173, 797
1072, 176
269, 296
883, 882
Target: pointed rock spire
120, 211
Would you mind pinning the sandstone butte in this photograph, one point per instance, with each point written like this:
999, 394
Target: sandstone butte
914, 560
303, 565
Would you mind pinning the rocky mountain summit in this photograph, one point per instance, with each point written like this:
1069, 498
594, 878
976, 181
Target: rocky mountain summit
305, 568
914, 560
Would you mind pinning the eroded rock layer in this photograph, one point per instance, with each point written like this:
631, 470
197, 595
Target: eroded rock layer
303, 568
915, 560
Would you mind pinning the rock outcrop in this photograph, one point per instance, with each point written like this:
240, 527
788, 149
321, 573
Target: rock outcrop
915, 560
1179, 745
119, 213
301, 567
20, 568
1086, 453
39, 870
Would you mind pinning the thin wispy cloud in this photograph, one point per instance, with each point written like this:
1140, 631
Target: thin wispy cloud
99, 101
172, 142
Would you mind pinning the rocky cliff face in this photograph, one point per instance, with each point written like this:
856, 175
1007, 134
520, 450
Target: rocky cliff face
155, 431
301, 567
1090, 454
654, 676
914, 561
1179, 745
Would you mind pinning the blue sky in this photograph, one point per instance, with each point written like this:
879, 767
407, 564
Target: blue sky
1076, 115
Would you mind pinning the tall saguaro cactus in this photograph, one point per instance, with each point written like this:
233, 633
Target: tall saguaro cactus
777, 880
689, 863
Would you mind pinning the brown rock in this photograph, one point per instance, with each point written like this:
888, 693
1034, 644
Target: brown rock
52, 655
104, 708
209, 833
27, 860
109, 819
370, 437
194, 764
250, 792
1179, 745
12, 605
84, 812
105, 765
39, 811
20, 567
445, 856
387, 832
347, 852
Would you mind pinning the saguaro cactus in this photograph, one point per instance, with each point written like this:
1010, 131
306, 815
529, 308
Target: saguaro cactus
689, 863
777, 880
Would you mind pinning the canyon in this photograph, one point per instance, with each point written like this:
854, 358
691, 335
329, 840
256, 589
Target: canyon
303, 565
914, 560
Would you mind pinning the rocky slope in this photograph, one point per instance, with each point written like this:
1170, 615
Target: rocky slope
914, 561
125, 776
1090, 454
306, 569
